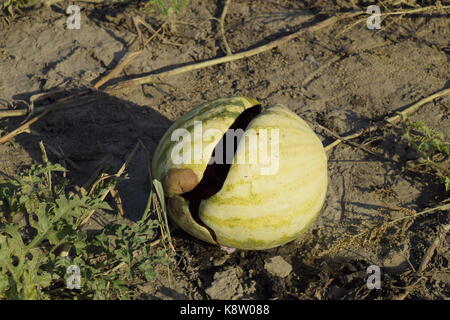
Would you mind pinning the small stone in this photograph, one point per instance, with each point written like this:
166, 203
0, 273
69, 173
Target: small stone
226, 285
277, 266
310, 58
217, 262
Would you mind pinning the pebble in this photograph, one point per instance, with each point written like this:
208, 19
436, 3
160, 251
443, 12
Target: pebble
226, 285
277, 266
217, 262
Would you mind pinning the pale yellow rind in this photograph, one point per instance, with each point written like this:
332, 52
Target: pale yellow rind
218, 115
184, 220
254, 211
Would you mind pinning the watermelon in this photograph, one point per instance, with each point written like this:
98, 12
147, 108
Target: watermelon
239, 176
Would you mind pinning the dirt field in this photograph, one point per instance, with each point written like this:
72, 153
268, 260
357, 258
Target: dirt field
356, 77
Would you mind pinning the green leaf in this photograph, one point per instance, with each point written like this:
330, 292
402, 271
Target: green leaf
447, 183
28, 269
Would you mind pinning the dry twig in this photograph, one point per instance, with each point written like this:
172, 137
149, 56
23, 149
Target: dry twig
391, 120
396, 13
354, 144
118, 69
23, 128
148, 79
118, 174
432, 248
222, 27
62, 104
374, 234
